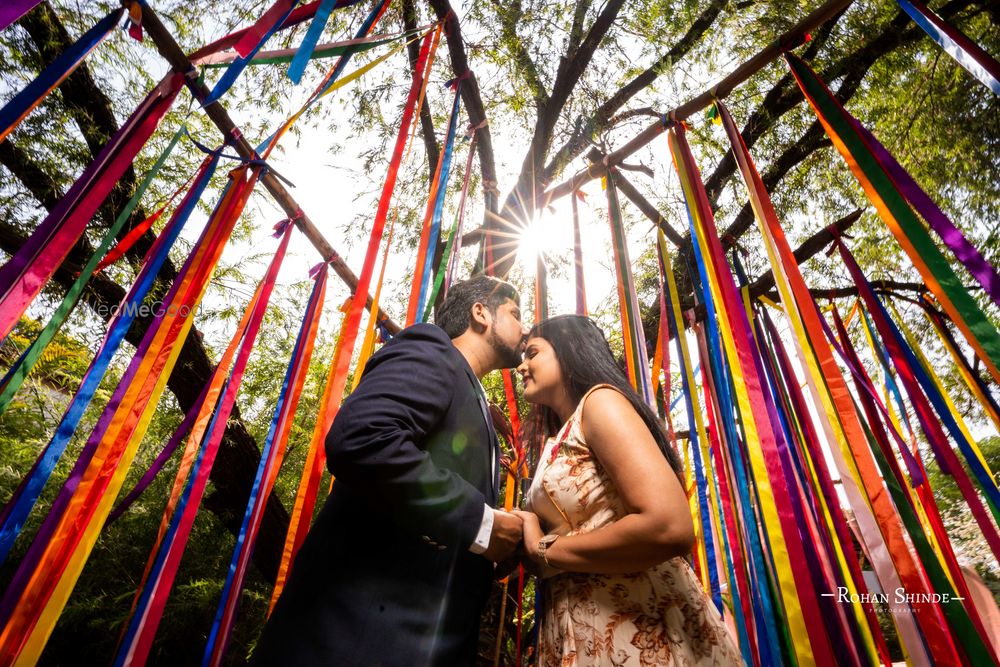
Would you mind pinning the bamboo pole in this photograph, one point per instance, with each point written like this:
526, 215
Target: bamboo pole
791, 39
178, 60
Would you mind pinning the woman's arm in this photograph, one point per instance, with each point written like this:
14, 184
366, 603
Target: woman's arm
658, 525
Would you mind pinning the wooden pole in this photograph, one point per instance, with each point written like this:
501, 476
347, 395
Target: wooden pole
171, 51
789, 40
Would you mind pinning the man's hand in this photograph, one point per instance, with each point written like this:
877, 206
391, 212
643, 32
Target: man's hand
505, 538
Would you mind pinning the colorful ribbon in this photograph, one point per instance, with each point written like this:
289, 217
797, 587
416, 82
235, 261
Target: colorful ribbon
337, 377
17, 373
432, 219
65, 63
880, 528
636, 359
897, 214
966, 53
46, 577
19, 506
23, 276
272, 455
149, 609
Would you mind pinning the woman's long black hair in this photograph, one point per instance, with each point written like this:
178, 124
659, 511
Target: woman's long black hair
586, 360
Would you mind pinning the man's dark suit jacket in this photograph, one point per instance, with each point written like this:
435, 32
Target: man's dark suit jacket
385, 575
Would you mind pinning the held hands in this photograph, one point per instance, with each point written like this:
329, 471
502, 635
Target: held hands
506, 536
532, 532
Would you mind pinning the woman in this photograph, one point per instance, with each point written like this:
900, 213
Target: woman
609, 524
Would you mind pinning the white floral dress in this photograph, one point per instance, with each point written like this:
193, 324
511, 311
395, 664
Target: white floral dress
660, 616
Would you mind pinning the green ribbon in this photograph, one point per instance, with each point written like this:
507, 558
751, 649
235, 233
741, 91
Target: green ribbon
19, 371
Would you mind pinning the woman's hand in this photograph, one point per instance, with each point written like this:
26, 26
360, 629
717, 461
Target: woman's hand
531, 533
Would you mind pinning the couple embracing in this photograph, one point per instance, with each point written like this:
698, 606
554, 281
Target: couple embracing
399, 563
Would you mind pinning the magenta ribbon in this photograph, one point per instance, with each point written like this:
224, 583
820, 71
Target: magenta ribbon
23, 276
277, 12
149, 610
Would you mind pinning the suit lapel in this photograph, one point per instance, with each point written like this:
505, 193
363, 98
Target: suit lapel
494, 445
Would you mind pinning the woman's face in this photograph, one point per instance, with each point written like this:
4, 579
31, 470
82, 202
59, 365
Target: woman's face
541, 373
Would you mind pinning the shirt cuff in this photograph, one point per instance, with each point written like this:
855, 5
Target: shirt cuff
482, 540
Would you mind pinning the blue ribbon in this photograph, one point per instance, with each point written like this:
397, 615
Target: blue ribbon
765, 617
20, 505
58, 69
953, 48
234, 70
265, 458
302, 56
435, 231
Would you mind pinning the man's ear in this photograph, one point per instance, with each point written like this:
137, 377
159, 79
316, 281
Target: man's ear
481, 317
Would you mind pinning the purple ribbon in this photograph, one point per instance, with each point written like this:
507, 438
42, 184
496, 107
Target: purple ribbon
984, 272
12, 10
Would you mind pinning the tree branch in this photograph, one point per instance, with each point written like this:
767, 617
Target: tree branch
426, 122
511, 14
587, 128
473, 100
647, 208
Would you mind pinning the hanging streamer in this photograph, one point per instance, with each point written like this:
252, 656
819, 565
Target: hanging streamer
23, 276
671, 318
966, 53
432, 218
894, 210
797, 582
969, 375
272, 455
308, 46
16, 375
914, 380
12, 10
65, 63
337, 378
880, 528
161, 460
19, 506
46, 576
969, 633
581, 287
331, 81
312, 474
248, 45
637, 361
139, 230
146, 616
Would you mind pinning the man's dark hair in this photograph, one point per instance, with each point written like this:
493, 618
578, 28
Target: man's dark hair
455, 314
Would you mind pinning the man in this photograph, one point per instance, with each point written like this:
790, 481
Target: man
399, 563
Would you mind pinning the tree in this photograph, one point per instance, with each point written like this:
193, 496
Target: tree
568, 82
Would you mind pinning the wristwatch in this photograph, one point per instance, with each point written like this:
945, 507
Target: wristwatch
542, 548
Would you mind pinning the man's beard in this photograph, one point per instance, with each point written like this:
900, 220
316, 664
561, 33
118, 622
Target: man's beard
510, 357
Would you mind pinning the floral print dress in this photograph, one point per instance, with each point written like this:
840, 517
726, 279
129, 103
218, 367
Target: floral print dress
660, 616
